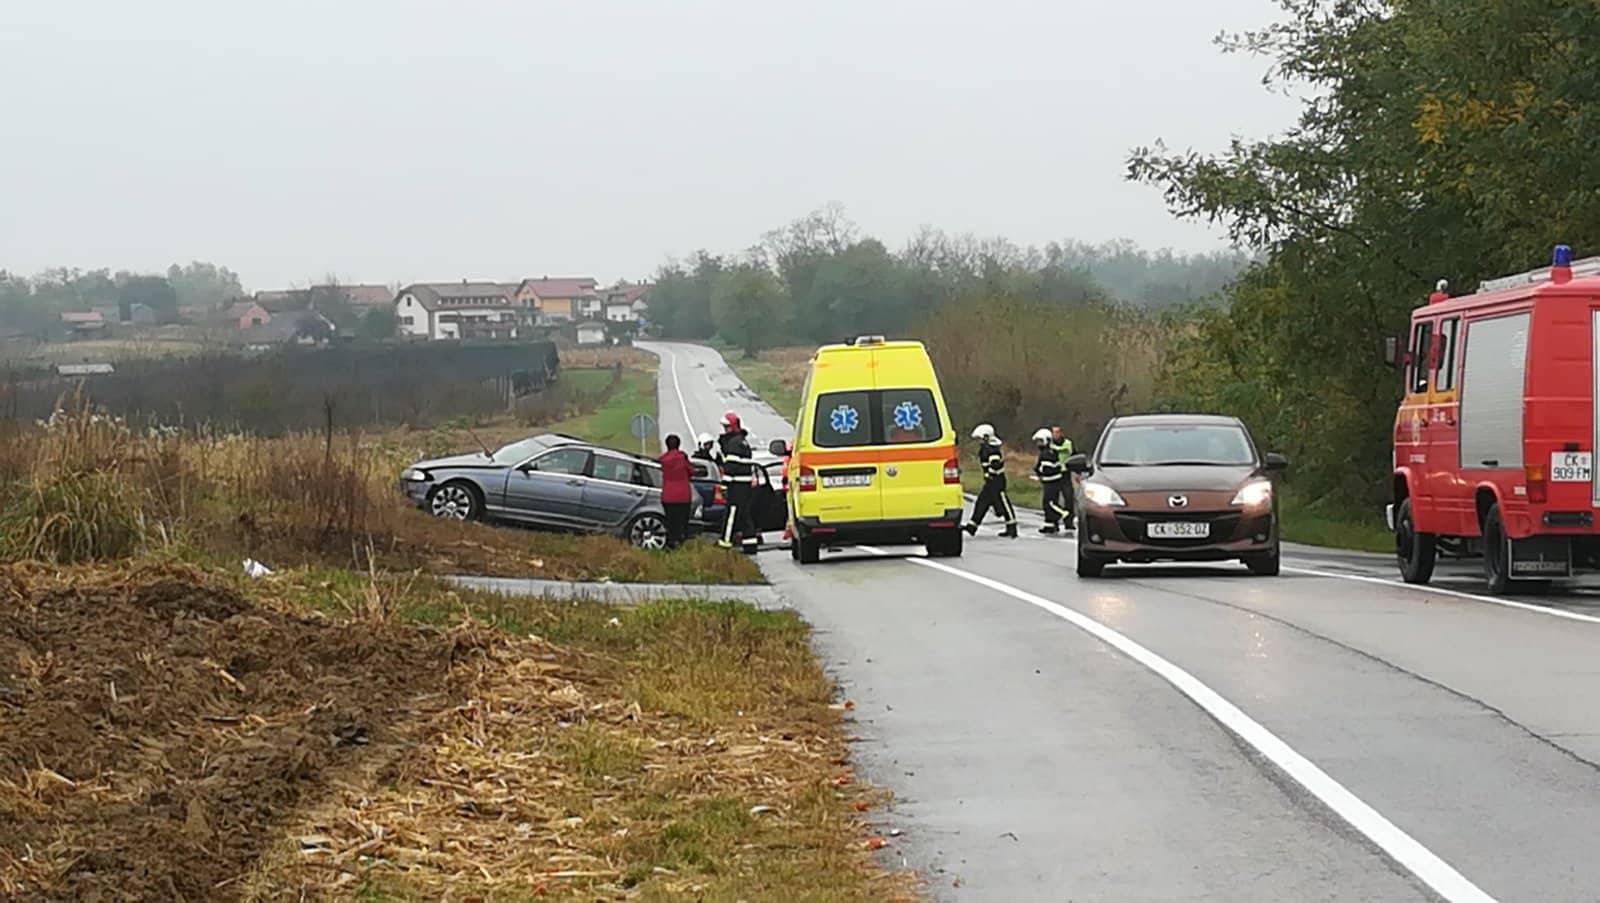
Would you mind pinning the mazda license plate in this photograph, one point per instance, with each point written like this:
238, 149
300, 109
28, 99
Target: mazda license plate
1177, 530
846, 479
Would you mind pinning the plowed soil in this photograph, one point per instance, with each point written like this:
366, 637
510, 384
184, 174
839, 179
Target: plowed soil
156, 729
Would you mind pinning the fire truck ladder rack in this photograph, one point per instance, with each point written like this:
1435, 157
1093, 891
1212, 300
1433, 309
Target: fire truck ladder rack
1589, 266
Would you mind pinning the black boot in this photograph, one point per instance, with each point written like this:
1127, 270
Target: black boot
1010, 531
971, 528
1049, 528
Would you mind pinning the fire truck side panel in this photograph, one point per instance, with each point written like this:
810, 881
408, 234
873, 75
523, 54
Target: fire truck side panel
1559, 428
1490, 454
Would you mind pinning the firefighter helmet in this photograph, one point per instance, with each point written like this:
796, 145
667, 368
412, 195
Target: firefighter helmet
730, 421
1041, 436
983, 431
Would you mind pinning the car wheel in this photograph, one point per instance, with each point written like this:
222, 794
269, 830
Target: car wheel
944, 544
455, 500
1415, 551
807, 549
1088, 565
1496, 553
648, 531
1265, 565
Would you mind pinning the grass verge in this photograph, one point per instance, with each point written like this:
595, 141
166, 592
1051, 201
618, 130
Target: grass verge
385, 737
778, 375
1320, 524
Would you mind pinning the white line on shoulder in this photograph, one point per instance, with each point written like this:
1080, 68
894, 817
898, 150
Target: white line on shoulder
1397, 584
1396, 843
672, 364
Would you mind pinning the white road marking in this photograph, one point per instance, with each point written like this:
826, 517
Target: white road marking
1492, 600
672, 365
1397, 844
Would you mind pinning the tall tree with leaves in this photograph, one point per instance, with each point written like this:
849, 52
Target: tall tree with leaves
1440, 138
748, 305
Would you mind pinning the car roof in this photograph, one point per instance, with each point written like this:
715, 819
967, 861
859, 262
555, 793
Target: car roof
1174, 420
555, 440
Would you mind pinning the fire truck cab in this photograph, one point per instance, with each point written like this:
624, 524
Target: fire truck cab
1494, 440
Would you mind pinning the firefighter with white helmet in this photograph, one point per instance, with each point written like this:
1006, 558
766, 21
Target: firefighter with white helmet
739, 477
991, 458
1051, 473
705, 447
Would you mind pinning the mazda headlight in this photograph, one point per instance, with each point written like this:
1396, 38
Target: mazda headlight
413, 475
1101, 494
1254, 494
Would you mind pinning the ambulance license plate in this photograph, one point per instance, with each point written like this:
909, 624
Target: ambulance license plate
1571, 467
1177, 530
846, 479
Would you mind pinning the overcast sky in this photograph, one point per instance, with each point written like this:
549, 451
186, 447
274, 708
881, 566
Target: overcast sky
390, 141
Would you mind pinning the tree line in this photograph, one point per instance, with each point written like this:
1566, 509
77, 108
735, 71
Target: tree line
32, 306
1439, 139
818, 279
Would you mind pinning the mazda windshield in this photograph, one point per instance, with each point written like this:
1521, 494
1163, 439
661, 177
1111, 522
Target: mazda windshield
1173, 445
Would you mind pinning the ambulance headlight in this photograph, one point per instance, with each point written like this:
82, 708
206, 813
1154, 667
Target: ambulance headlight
1254, 494
1103, 495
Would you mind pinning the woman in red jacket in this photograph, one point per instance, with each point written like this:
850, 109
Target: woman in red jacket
676, 490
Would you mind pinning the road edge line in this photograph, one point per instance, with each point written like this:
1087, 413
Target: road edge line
1439, 590
1395, 843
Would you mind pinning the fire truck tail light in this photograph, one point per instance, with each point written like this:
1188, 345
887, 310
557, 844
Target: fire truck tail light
1538, 489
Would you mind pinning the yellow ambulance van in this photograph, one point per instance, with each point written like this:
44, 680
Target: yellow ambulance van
874, 456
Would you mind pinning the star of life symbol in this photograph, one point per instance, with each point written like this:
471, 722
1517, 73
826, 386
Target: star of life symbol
844, 419
907, 416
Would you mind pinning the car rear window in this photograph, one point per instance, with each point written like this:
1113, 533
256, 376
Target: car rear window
614, 469
876, 417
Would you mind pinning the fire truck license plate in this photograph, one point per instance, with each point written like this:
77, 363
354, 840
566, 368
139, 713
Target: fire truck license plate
1571, 467
1178, 530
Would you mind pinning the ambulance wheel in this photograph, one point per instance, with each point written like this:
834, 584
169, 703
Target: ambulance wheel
1415, 551
1496, 553
944, 544
806, 549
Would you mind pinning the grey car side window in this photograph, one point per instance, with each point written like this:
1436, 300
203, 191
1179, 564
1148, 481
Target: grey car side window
613, 469
571, 461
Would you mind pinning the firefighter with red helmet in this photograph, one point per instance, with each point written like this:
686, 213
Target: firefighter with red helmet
738, 484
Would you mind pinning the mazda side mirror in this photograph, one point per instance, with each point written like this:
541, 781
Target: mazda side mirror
1274, 462
779, 447
1391, 351
1078, 464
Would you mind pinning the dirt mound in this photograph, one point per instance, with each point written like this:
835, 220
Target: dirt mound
156, 728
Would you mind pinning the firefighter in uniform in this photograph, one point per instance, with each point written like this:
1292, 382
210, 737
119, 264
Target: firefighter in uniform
1063, 448
991, 457
738, 483
705, 448
1051, 474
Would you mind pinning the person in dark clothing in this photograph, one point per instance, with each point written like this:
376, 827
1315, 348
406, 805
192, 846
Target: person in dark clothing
991, 457
739, 477
677, 490
1052, 479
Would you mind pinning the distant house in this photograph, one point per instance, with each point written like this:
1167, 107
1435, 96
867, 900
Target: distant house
245, 315
591, 333
563, 299
83, 323
626, 303
359, 296
282, 300
460, 310
143, 315
304, 328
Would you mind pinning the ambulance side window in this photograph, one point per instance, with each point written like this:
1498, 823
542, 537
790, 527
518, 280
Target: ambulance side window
1444, 378
1420, 341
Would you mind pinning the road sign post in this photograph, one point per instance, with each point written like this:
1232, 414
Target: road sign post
642, 426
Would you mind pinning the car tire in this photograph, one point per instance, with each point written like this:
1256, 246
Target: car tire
1415, 551
648, 531
1267, 564
1089, 567
944, 544
807, 549
1496, 553
456, 500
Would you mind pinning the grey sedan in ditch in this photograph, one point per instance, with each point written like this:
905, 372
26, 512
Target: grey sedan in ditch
551, 481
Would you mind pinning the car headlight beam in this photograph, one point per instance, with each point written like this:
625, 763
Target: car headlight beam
1254, 494
1101, 494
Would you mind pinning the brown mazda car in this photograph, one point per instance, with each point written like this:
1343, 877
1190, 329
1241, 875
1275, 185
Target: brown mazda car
1176, 487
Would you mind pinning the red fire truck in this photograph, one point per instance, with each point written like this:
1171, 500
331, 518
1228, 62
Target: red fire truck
1494, 442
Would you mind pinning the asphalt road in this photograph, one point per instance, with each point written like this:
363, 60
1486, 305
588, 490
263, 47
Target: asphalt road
1174, 733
